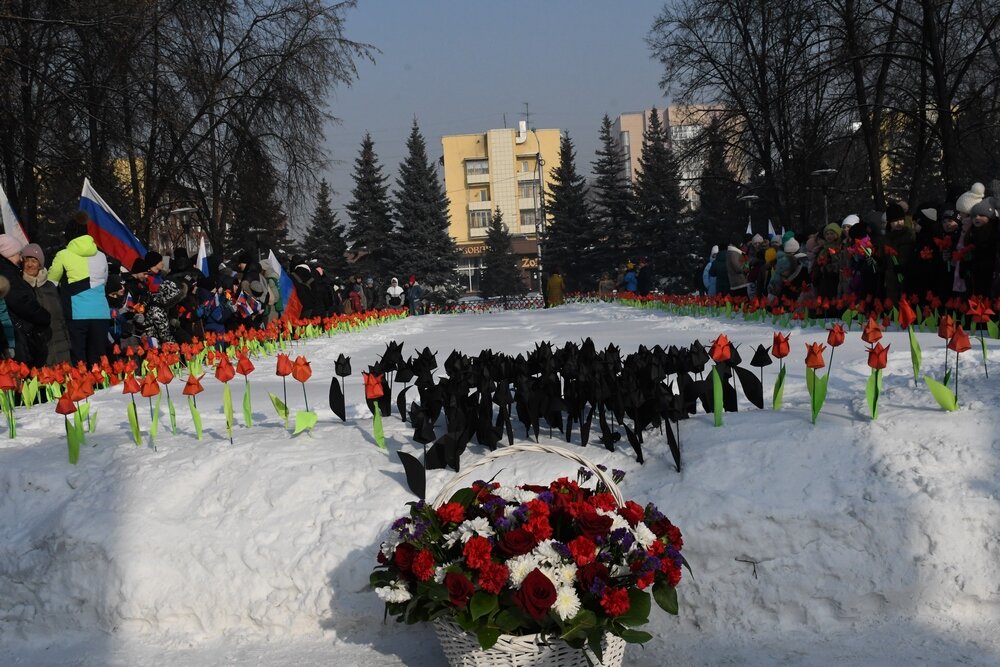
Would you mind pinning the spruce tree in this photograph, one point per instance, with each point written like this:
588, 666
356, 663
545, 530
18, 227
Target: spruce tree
501, 275
569, 237
614, 214
325, 237
258, 223
369, 213
421, 243
658, 206
717, 218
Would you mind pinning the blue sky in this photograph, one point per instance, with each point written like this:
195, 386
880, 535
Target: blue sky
458, 67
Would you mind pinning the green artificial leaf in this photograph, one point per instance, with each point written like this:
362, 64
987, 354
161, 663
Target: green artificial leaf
377, 427
195, 416
173, 415
57, 390
72, 442
594, 641
942, 394
29, 391
463, 496
717, 407
947, 377
779, 389
915, 355
92, 421
982, 341
666, 596
635, 636
247, 407
482, 604
280, 408
487, 637
133, 422
227, 407
871, 393
304, 421
993, 329
640, 603
848, 316
154, 427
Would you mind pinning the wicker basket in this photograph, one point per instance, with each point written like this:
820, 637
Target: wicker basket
462, 649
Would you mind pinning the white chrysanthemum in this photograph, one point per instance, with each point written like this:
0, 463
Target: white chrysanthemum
547, 553
442, 570
616, 520
643, 535
395, 592
567, 604
511, 493
620, 570
388, 547
479, 526
451, 538
565, 574
520, 567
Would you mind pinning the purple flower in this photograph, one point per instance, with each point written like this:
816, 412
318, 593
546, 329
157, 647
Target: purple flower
547, 497
561, 549
400, 523
623, 537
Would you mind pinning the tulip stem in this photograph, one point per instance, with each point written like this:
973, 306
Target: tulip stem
982, 344
956, 379
305, 396
284, 390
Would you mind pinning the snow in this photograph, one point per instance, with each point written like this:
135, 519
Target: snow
874, 542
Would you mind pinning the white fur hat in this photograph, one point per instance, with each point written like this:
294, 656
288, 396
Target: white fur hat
850, 220
791, 246
969, 199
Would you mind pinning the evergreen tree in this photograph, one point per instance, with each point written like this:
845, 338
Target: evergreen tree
325, 237
659, 205
258, 223
717, 217
614, 213
369, 214
421, 243
569, 238
501, 275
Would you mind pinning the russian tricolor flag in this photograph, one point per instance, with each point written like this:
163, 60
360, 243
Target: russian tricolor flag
202, 262
110, 233
292, 307
11, 225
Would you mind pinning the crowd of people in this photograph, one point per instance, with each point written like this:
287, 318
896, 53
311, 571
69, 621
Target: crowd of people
83, 305
929, 252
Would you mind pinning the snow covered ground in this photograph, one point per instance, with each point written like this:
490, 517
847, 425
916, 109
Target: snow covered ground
874, 542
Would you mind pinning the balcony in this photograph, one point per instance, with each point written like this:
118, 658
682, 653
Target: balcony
480, 205
477, 178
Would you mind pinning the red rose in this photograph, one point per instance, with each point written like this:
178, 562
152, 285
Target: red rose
493, 576
594, 525
583, 550
632, 512
588, 574
477, 552
460, 589
536, 596
516, 542
615, 601
451, 513
604, 501
423, 565
403, 557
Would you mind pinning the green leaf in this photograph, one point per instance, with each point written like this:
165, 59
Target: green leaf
871, 393
173, 415
304, 421
247, 407
195, 416
377, 427
508, 621
279, 407
133, 422
488, 637
915, 354
982, 341
72, 443
154, 427
666, 596
947, 378
635, 636
92, 421
463, 496
227, 407
717, 407
482, 604
993, 329
640, 603
29, 391
942, 394
779, 390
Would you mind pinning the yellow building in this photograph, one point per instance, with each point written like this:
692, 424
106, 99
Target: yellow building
509, 169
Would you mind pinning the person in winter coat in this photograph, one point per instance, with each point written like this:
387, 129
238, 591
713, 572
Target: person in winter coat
357, 299
414, 296
37, 277
373, 295
605, 286
900, 237
644, 279
394, 294
736, 269
6, 325
29, 319
630, 282
302, 278
718, 271
554, 289
708, 279
983, 237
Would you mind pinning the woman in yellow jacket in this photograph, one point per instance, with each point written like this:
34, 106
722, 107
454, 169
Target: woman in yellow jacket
554, 289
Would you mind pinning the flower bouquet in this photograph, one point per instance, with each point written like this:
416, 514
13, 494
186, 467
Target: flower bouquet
562, 573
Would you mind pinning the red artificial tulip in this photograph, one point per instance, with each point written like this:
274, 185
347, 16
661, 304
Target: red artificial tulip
960, 341
243, 365
946, 327
906, 315
284, 365
224, 371
835, 337
814, 355
878, 356
65, 406
301, 370
373, 386
872, 332
164, 374
193, 386
7, 382
720, 351
979, 310
131, 385
779, 348
150, 387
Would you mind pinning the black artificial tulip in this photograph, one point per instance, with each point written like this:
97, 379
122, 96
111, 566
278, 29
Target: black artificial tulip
734, 355
342, 366
337, 400
761, 357
404, 373
699, 357
416, 476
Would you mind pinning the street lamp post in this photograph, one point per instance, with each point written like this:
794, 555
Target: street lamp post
824, 173
539, 207
748, 199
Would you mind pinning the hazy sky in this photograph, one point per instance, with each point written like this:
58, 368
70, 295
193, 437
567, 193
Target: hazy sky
459, 66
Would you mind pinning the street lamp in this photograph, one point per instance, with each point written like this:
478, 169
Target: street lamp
539, 207
824, 173
748, 199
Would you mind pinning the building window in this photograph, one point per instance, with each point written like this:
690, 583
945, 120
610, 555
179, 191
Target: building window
477, 167
482, 194
527, 190
529, 217
526, 167
479, 219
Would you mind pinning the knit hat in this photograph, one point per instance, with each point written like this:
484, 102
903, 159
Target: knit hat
153, 258
394, 281
629, 265
791, 246
969, 199
833, 227
850, 220
413, 279
34, 250
929, 213
770, 255
9, 246
113, 285
787, 235
139, 265
987, 208
774, 241
715, 250
757, 238
894, 212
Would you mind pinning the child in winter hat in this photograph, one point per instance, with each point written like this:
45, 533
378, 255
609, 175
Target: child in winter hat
9, 247
969, 199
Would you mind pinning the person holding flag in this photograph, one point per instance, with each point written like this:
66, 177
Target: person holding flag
81, 270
